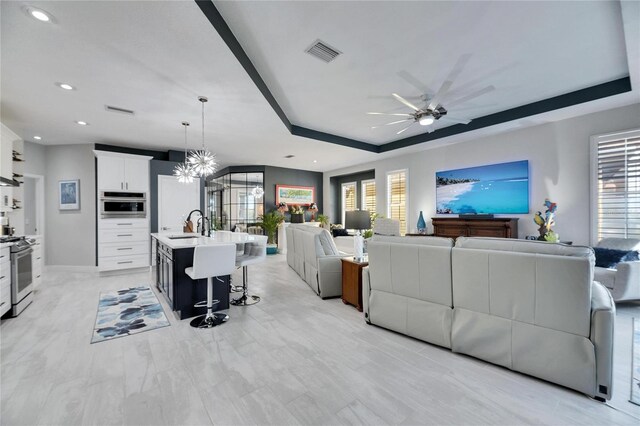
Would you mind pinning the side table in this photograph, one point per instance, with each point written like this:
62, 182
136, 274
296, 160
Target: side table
352, 281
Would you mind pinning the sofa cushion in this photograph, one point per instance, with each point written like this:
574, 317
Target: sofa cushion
609, 258
606, 277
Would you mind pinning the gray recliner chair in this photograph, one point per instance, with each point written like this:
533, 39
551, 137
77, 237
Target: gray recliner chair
623, 281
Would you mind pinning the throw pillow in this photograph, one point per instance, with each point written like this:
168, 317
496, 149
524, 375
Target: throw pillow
609, 258
338, 232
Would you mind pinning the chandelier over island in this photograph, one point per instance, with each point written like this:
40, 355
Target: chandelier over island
183, 171
202, 162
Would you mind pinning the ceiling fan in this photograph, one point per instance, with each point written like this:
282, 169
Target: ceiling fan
433, 110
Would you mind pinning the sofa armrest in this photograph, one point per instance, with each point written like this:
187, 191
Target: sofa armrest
627, 282
366, 290
330, 276
603, 314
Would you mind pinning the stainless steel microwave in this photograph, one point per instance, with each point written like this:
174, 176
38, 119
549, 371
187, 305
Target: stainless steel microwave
123, 204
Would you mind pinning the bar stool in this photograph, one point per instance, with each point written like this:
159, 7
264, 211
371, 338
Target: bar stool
210, 261
254, 252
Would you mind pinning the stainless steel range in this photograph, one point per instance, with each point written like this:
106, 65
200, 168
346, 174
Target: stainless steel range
21, 273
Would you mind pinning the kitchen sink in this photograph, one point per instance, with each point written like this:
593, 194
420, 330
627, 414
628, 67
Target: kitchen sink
182, 237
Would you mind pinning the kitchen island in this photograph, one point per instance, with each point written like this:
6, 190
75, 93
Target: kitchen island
174, 253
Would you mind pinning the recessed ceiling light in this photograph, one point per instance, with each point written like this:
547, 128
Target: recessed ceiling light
37, 138
82, 123
39, 14
65, 86
315, 161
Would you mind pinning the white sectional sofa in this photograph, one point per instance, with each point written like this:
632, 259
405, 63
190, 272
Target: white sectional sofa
529, 306
623, 281
312, 253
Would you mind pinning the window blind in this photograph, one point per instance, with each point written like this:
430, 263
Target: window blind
397, 198
369, 195
618, 186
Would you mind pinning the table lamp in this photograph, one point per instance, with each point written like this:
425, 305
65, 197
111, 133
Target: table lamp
313, 208
358, 220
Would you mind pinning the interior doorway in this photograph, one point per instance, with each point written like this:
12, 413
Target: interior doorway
33, 204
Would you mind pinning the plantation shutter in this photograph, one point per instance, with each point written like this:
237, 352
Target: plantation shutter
369, 195
348, 198
618, 181
397, 198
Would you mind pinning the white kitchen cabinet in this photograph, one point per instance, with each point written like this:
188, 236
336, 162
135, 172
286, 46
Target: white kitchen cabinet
123, 242
122, 172
36, 260
110, 173
5, 280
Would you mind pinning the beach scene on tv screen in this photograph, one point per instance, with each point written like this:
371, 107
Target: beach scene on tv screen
494, 189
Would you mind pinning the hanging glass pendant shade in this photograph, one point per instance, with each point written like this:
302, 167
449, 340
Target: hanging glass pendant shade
202, 162
257, 192
183, 171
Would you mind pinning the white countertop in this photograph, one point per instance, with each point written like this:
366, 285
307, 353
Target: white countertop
216, 238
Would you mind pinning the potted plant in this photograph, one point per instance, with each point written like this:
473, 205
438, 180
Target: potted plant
297, 214
269, 222
324, 221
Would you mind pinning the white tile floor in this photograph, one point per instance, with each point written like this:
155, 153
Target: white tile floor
291, 359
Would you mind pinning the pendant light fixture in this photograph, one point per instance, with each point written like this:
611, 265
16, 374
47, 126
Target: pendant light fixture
257, 192
202, 162
183, 171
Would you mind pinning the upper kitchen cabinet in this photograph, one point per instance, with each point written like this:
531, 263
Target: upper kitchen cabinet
122, 172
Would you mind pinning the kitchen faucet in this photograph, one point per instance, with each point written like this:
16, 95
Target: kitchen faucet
202, 218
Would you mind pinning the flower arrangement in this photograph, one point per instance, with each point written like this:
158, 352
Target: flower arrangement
545, 223
296, 210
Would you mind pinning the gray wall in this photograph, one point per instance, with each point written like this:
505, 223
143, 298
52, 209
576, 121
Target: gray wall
280, 176
70, 237
34, 155
336, 192
163, 168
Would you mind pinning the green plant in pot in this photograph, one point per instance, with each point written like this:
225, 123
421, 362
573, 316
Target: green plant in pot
269, 222
324, 220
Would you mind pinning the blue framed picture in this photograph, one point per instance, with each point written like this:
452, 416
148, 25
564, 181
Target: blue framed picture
69, 194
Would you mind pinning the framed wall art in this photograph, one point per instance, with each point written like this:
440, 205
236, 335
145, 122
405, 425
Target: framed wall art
69, 194
296, 195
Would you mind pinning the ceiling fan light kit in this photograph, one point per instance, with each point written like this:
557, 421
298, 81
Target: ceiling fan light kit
432, 111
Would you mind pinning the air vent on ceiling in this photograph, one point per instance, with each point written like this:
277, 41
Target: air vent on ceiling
118, 109
323, 51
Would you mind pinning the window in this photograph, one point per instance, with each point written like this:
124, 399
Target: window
348, 198
616, 185
397, 198
369, 195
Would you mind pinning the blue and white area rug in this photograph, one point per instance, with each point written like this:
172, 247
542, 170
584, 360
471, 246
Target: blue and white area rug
635, 373
127, 311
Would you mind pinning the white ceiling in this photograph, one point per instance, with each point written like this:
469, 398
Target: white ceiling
157, 57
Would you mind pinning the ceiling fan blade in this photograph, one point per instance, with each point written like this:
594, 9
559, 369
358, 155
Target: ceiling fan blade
446, 85
406, 76
406, 102
455, 120
470, 96
384, 113
397, 133
389, 124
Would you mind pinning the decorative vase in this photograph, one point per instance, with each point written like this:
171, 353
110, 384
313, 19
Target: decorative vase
422, 226
297, 218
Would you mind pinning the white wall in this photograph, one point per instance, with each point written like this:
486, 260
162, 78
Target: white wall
34, 155
558, 155
70, 236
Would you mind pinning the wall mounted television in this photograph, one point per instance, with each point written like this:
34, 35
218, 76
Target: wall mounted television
493, 189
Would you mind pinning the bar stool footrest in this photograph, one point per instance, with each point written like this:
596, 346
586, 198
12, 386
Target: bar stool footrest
245, 300
203, 304
205, 321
